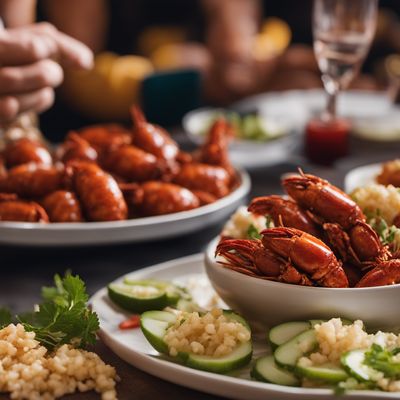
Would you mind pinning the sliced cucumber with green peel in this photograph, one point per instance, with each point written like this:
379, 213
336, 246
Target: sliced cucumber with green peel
287, 354
239, 357
174, 292
353, 362
327, 373
134, 298
154, 325
266, 370
282, 333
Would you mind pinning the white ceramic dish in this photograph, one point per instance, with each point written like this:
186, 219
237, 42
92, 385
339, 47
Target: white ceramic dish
132, 230
361, 176
267, 303
132, 347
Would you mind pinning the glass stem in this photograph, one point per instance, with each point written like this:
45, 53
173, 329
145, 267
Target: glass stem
332, 89
331, 105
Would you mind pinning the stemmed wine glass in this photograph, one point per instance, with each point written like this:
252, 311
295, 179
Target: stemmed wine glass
343, 31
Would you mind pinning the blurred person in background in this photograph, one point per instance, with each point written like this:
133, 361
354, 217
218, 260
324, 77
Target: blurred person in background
237, 52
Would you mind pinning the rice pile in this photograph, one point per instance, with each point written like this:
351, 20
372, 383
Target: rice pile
212, 334
239, 223
335, 339
29, 371
375, 198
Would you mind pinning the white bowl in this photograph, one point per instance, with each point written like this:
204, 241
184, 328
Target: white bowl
266, 303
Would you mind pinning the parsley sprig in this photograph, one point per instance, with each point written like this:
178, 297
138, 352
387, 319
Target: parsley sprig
62, 317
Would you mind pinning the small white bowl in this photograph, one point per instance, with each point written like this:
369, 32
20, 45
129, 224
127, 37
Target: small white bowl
266, 303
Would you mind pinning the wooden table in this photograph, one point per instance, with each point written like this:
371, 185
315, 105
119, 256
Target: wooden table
25, 270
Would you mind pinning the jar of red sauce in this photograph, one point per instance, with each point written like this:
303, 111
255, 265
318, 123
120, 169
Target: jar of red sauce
327, 140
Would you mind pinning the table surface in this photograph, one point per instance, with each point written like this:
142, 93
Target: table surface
26, 270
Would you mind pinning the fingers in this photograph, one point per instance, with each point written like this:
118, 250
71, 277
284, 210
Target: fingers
41, 41
27, 78
37, 101
70, 52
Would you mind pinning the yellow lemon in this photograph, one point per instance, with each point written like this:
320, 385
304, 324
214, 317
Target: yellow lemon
278, 31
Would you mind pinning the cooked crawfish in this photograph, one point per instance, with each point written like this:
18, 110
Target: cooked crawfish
158, 198
98, 192
284, 212
63, 206
302, 252
32, 180
23, 151
342, 219
75, 147
215, 149
104, 137
153, 139
384, 273
203, 177
132, 163
390, 174
251, 258
14, 209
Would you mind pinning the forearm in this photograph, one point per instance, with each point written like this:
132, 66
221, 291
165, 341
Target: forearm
16, 13
85, 20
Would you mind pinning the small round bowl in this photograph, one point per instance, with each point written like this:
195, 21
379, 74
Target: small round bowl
267, 303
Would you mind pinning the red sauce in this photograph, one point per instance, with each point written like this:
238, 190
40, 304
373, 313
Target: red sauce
326, 141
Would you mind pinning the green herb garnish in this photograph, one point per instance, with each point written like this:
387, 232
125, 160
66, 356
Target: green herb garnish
382, 360
63, 316
5, 317
252, 232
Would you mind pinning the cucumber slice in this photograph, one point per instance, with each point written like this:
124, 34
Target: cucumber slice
266, 370
134, 298
188, 306
353, 362
287, 354
174, 292
284, 332
239, 357
327, 373
154, 325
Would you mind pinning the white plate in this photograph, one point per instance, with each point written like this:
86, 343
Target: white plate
361, 176
132, 230
132, 347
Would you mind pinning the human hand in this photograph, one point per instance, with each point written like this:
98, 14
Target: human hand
31, 61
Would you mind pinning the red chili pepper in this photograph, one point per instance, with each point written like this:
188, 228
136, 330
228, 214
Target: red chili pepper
130, 323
